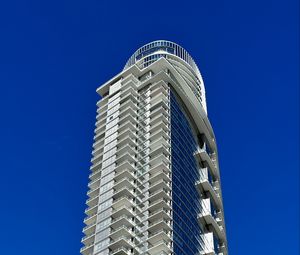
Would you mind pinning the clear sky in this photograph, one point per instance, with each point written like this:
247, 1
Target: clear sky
53, 56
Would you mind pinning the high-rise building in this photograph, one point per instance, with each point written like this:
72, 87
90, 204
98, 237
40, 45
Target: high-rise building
154, 184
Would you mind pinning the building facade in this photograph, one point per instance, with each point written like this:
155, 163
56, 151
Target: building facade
154, 183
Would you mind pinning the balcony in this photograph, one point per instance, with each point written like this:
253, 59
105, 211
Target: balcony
123, 201
94, 184
122, 221
129, 110
160, 87
123, 230
161, 175
128, 132
91, 210
88, 249
93, 192
126, 141
88, 239
159, 167
123, 210
125, 157
160, 213
158, 119
91, 202
161, 193
206, 188
159, 235
127, 124
159, 247
160, 150
125, 149
210, 223
124, 192
126, 165
124, 183
90, 219
97, 166
160, 184
203, 156
158, 204
158, 160
125, 173
157, 126
123, 241
122, 251
158, 225
89, 229
158, 97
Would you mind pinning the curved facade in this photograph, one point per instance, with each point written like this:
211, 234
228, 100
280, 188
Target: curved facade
154, 183
179, 58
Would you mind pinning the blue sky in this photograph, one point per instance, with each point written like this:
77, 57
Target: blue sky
53, 56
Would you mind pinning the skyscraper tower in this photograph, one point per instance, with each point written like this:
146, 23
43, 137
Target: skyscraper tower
154, 184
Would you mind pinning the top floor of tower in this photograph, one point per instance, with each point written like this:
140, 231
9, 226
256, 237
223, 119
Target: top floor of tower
178, 57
